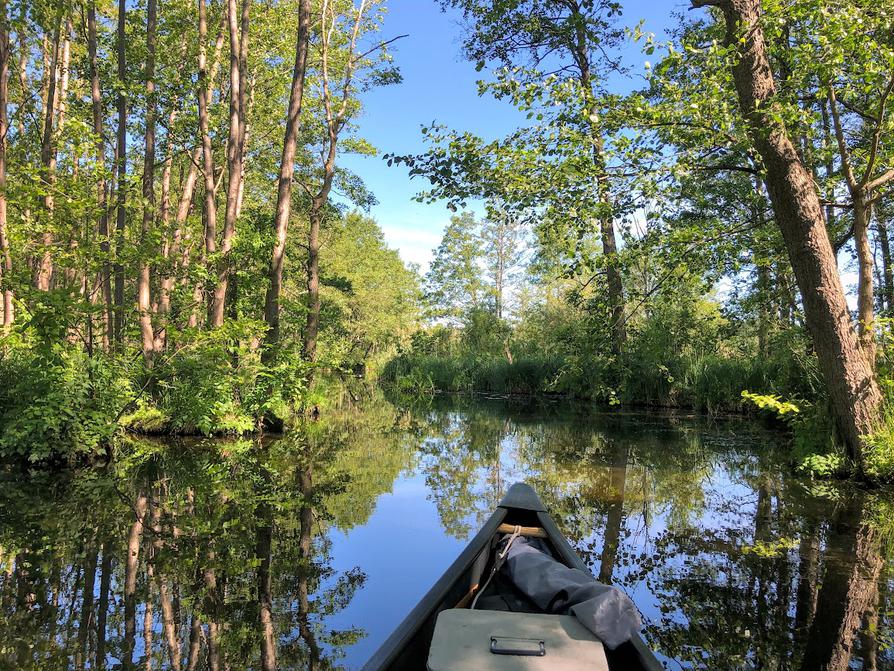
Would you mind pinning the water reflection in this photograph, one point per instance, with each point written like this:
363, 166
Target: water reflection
244, 554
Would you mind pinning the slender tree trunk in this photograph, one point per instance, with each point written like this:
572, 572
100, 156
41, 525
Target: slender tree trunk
851, 382
179, 245
195, 642
121, 173
884, 241
865, 279
210, 213
144, 298
169, 246
6, 260
312, 326
284, 185
235, 151
44, 274
614, 283
98, 131
134, 539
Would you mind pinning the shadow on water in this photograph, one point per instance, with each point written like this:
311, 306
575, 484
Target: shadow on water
261, 554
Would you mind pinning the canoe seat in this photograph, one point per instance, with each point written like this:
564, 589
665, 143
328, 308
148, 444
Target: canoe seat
472, 640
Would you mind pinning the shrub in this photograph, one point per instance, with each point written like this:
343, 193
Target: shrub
57, 403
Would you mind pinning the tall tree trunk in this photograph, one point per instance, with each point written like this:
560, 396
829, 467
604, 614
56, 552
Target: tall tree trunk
614, 283
6, 260
121, 174
134, 539
44, 274
850, 380
210, 213
235, 151
100, 158
179, 245
144, 298
284, 185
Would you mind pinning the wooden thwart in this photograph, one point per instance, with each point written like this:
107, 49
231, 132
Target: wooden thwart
530, 532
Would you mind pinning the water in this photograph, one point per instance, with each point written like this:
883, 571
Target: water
312, 548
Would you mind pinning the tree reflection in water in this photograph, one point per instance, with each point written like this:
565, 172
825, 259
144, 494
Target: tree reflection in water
190, 555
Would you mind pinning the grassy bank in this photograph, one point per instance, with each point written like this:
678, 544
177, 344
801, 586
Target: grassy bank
701, 383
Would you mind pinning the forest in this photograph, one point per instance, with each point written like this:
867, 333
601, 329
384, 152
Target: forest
185, 252
241, 428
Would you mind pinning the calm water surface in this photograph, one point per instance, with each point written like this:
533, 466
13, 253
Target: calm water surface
308, 550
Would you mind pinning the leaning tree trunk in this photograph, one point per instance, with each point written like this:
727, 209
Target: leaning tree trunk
284, 186
850, 380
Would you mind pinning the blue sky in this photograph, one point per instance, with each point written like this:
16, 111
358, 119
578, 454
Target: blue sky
439, 86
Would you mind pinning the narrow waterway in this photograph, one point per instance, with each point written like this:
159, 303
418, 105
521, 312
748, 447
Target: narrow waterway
312, 547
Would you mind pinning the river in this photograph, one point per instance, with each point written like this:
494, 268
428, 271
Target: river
310, 548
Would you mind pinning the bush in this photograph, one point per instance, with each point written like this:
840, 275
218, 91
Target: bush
57, 403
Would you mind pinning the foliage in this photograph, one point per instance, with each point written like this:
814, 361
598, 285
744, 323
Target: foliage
57, 403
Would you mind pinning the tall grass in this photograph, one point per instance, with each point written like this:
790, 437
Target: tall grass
710, 383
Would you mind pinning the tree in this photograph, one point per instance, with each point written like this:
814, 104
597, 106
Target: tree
502, 236
286, 173
531, 37
454, 282
853, 389
5, 256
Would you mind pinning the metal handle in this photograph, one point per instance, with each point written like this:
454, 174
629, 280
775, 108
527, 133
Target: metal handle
523, 647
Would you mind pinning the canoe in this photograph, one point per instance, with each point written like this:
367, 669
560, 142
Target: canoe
407, 648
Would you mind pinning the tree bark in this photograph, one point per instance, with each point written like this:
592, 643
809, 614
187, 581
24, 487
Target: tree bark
235, 152
284, 185
144, 298
312, 325
210, 213
6, 260
614, 283
850, 380
44, 274
98, 132
887, 271
121, 174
